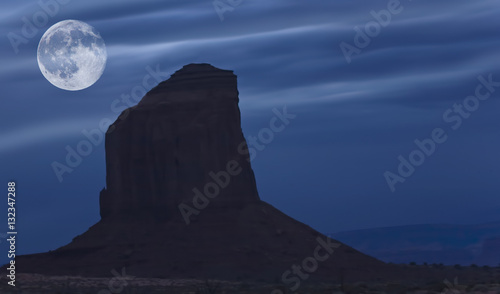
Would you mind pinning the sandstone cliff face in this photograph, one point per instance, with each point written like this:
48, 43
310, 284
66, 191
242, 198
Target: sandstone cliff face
181, 132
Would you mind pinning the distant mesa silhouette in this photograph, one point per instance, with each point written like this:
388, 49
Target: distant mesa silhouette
174, 140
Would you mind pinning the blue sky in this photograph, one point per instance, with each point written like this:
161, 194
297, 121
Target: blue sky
327, 167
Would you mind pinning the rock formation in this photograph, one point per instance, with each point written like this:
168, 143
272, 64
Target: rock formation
184, 134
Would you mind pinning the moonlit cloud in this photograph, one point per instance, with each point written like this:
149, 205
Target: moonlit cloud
27, 136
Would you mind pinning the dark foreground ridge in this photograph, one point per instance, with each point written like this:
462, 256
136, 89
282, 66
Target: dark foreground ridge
182, 135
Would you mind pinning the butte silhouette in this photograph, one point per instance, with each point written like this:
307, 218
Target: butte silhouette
159, 219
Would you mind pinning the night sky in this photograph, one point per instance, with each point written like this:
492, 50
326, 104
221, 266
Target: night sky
355, 116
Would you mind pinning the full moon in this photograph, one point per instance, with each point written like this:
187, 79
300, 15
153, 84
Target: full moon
72, 55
